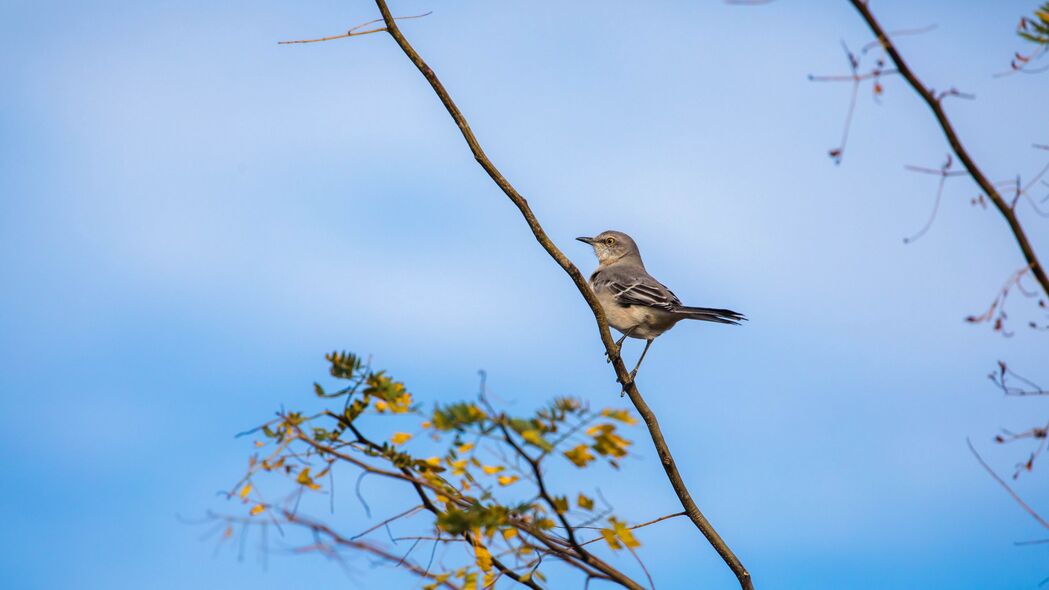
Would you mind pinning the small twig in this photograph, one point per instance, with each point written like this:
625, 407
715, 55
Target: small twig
900, 33
1002, 375
637, 526
944, 172
1008, 489
407, 512
354, 32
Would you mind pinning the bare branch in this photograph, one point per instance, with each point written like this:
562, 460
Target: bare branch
1008, 489
355, 31
935, 104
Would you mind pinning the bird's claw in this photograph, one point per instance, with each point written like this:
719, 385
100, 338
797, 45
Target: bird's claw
628, 382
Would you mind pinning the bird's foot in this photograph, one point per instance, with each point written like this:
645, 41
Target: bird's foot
628, 382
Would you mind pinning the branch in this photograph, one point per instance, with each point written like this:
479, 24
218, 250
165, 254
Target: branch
637, 526
622, 375
338, 539
934, 103
1008, 489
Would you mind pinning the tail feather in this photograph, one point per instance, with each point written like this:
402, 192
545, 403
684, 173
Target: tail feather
710, 314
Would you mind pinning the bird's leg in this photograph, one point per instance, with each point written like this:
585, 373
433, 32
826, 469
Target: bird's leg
619, 346
638, 365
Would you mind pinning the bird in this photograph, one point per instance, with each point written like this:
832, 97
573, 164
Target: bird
634, 303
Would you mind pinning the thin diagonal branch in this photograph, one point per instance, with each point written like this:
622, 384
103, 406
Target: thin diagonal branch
1008, 489
622, 375
955, 142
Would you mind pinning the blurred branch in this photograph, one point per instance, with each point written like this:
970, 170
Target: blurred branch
934, 103
856, 78
1002, 376
622, 375
1008, 489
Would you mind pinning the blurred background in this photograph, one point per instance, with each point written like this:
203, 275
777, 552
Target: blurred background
192, 215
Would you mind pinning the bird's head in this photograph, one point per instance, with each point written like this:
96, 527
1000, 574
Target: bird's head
613, 246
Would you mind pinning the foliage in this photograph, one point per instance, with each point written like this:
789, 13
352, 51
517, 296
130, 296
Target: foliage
485, 486
1036, 29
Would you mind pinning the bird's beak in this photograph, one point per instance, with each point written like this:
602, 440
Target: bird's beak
586, 240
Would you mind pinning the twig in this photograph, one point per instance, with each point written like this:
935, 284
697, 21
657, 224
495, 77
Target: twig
637, 526
1008, 489
407, 512
354, 32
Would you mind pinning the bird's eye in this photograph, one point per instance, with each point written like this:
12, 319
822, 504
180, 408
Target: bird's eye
610, 241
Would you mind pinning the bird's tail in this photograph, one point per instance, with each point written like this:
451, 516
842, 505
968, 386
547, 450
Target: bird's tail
709, 314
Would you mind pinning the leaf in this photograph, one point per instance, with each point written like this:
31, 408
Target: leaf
623, 533
305, 479
244, 491
257, 509
622, 415
580, 455
505, 480
561, 504
465, 448
484, 558
585, 503
509, 533
610, 538
399, 438
434, 461
535, 438
492, 469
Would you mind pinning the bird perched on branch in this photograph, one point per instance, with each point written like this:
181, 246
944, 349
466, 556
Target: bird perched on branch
636, 304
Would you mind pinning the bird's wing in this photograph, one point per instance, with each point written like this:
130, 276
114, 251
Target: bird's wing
636, 289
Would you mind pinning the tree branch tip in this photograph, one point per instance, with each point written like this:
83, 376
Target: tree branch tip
353, 32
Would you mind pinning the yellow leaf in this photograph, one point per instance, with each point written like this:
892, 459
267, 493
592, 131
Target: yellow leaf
427, 424
257, 509
585, 503
622, 415
623, 532
244, 491
536, 438
465, 448
505, 480
470, 581
399, 438
380, 406
434, 461
580, 455
491, 470
610, 538
305, 479
509, 534
484, 558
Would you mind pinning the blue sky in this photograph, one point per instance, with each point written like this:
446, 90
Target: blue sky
190, 216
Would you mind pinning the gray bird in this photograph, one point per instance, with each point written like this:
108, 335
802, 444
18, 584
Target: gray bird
635, 303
